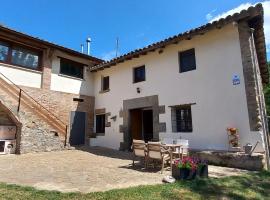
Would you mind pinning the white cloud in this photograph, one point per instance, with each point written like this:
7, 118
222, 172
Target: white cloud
109, 55
266, 6
209, 15
232, 11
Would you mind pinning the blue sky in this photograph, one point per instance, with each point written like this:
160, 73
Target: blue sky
136, 23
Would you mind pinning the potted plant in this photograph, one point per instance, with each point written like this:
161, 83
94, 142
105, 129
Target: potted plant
232, 131
187, 168
202, 169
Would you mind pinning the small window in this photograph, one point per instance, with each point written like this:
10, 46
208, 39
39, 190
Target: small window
71, 68
25, 58
105, 83
100, 123
181, 119
139, 74
187, 60
3, 52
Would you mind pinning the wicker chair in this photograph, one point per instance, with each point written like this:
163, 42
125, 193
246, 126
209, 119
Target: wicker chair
139, 150
156, 151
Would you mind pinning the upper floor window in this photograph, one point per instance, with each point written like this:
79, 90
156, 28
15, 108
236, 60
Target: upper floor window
181, 119
71, 68
139, 74
3, 52
105, 83
25, 58
187, 60
18, 55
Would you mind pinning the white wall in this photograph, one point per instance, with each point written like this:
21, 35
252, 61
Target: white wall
21, 76
69, 84
219, 104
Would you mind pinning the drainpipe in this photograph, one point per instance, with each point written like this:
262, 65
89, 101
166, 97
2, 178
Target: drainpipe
262, 109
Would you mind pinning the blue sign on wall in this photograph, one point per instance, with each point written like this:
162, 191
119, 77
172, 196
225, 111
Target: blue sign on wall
236, 80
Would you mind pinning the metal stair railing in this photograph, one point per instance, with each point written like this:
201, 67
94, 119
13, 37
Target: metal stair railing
47, 112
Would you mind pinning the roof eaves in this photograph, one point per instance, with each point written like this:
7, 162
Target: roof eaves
176, 38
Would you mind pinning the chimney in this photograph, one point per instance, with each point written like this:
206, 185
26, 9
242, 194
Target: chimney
88, 41
82, 46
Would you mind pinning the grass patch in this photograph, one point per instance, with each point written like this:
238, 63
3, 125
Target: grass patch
249, 186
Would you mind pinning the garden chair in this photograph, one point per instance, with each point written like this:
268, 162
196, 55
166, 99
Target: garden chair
156, 151
183, 150
139, 150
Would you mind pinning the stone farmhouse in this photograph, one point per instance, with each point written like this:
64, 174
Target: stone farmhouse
193, 85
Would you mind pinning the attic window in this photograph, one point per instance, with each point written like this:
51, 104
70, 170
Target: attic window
139, 74
187, 60
71, 68
105, 84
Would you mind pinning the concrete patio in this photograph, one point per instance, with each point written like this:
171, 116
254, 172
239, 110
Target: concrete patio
84, 170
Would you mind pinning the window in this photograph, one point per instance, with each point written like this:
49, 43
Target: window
105, 83
71, 68
181, 119
139, 74
100, 123
18, 55
3, 52
25, 58
187, 60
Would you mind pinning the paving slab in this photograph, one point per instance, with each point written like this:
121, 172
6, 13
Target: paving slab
84, 170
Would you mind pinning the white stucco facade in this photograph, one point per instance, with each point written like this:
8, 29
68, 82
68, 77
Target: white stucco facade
69, 84
21, 76
218, 103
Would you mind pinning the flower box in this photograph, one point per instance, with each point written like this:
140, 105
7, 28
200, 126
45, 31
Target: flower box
183, 173
189, 168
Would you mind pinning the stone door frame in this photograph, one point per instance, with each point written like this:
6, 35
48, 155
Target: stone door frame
138, 103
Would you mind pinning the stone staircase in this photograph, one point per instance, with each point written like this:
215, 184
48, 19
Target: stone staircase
41, 130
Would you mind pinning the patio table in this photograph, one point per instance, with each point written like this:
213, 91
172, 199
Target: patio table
173, 148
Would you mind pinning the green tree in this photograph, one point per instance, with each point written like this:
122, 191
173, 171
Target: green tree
267, 94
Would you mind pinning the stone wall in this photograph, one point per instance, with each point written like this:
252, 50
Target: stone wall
35, 134
4, 118
249, 77
254, 162
61, 104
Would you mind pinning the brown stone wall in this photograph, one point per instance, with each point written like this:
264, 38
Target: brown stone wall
61, 104
47, 68
249, 77
4, 118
